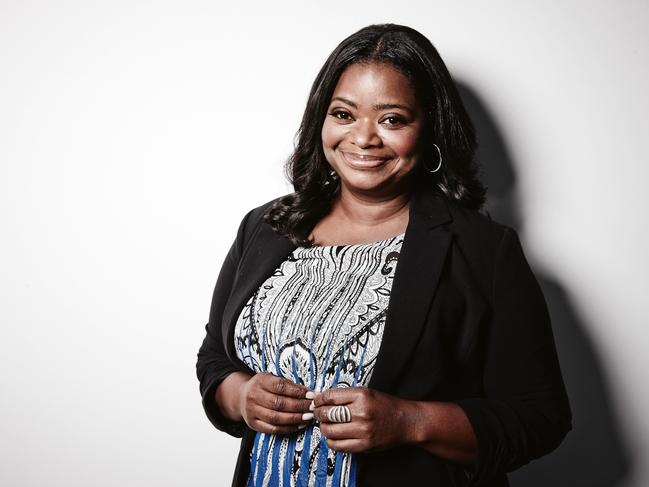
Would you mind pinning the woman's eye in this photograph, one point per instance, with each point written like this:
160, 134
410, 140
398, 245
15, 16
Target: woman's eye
393, 121
341, 115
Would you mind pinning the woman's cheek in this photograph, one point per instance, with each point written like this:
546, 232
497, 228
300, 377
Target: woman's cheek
331, 135
404, 144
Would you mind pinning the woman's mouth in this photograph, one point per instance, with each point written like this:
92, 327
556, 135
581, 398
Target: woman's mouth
363, 161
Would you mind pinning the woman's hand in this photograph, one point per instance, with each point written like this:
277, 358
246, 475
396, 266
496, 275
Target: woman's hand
271, 404
378, 420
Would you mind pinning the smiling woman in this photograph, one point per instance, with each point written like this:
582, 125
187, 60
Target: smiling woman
374, 123
371, 138
373, 327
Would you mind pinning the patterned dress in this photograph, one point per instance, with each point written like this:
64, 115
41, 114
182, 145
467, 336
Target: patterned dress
318, 321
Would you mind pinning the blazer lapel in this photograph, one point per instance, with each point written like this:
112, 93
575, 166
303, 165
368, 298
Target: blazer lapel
261, 257
421, 260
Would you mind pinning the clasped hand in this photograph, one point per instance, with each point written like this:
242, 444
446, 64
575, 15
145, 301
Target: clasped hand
378, 420
275, 405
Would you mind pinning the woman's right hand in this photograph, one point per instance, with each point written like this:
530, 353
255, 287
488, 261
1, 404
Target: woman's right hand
271, 404
267, 403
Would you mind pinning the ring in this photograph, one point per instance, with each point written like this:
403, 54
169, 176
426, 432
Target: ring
339, 414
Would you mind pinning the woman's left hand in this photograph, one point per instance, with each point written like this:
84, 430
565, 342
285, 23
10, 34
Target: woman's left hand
378, 420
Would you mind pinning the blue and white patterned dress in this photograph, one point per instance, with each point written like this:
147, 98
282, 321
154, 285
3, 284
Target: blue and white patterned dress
318, 321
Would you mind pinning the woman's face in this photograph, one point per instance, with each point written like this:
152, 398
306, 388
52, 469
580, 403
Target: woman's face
372, 128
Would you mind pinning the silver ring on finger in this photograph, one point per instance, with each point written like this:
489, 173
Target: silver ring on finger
339, 414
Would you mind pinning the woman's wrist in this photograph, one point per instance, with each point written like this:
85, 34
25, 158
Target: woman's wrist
441, 428
413, 421
228, 395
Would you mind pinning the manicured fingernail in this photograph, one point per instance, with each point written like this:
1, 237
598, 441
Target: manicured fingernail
312, 406
310, 394
301, 426
307, 416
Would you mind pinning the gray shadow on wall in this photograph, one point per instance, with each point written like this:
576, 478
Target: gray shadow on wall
594, 453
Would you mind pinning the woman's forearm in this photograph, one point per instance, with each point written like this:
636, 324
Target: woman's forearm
227, 395
380, 420
441, 428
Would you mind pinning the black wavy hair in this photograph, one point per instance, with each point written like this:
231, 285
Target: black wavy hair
446, 124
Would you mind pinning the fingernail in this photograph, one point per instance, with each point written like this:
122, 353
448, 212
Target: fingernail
310, 394
301, 426
307, 416
312, 406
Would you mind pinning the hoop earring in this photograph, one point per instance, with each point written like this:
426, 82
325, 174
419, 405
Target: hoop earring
440, 161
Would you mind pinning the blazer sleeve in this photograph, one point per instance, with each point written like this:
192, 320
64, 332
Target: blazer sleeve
524, 412
213, 365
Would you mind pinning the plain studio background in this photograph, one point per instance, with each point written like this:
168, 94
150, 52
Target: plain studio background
135, 135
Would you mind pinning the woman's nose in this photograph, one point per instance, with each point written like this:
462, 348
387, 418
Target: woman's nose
364, 134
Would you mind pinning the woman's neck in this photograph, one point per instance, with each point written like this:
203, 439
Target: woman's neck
362, 211
358, 219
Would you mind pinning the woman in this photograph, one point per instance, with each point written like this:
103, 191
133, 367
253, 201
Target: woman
373, 328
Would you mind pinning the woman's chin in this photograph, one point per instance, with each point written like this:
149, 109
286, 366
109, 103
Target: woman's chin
368, 185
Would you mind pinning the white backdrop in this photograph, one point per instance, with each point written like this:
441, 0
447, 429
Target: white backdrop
134, 135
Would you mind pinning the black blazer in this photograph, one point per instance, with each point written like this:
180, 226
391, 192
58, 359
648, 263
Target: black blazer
466, 323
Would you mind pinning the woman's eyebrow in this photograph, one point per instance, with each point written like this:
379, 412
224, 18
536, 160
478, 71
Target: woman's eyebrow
344, 100
390, 106
377, 107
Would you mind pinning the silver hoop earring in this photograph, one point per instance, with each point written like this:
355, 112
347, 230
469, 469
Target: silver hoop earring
439, 166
